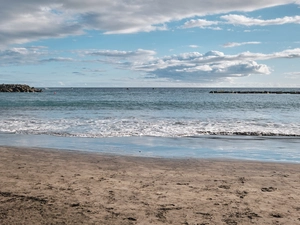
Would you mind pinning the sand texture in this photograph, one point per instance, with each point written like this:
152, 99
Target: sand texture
39, 186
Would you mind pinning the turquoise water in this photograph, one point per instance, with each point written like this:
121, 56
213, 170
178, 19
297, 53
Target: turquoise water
167, 122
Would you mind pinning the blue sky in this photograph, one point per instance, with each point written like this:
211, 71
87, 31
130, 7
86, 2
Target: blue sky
150, 43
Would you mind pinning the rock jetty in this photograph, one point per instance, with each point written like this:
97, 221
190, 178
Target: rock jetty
254, 92
18, 88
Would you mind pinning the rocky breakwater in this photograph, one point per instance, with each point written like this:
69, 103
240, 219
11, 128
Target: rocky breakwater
18, 88
254, 92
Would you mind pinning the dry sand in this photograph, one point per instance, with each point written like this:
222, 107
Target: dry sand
39, 186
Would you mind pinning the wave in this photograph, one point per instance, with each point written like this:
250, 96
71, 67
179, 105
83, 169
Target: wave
251, 133
88, 135
131, 127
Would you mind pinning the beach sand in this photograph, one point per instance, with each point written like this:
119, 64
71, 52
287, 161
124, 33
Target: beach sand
42, 186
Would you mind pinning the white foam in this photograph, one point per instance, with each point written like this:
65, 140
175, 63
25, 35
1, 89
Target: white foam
126, 127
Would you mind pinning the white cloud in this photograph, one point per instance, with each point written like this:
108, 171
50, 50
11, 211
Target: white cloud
248, 21
17, 56
186, 67
34, 22
57, 59
116, 53
241, 20
194, 46
29, 55
236, 44
122, 58
194, 66
25, 21
201, 23
255, 30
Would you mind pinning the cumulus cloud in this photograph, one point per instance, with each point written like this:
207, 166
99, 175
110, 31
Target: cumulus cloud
248, 21
25, 21
194, 66
186, 67
211, 66
236, 44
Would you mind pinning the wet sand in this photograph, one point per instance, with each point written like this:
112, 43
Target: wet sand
42, 186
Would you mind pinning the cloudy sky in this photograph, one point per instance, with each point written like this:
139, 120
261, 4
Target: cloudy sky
111, 43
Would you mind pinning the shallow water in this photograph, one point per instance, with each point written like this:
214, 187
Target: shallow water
163, 122
219, 147
169, 112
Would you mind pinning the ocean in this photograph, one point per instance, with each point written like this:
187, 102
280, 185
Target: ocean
156, 122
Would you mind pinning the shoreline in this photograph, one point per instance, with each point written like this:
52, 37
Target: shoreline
137, 157
42, 186
270, 149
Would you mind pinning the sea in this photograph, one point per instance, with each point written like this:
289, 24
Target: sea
156, 122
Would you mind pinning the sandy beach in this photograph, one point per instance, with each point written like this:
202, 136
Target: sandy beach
43, 186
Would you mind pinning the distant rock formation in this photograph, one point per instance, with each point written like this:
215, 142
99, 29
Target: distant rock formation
254, 92
18, 88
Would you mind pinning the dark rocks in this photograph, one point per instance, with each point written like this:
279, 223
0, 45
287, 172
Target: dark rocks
18, 88
254, 92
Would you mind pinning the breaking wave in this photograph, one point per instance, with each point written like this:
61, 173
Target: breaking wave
131, 127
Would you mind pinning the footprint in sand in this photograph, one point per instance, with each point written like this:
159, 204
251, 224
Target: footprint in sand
224, 186
268, 189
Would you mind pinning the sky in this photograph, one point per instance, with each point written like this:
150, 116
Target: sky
150, 43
